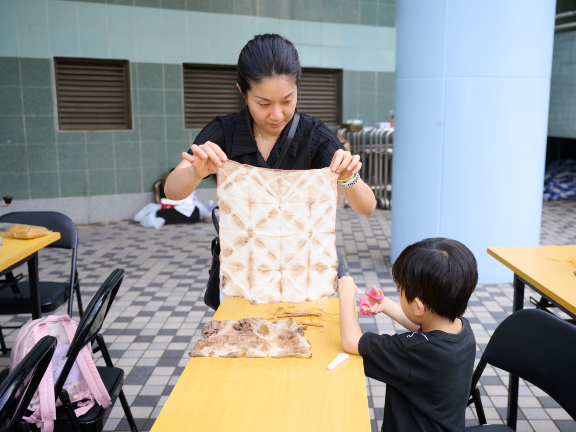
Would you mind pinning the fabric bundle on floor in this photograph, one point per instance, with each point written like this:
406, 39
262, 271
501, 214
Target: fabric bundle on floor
560, 180
277, 233
254, 337
190, 210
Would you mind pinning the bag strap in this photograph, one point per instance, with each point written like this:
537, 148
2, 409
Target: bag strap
46, 390
88, 368
215, 220
291, 134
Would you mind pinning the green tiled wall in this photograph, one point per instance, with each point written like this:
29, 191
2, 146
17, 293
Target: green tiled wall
368, 96
49, 28
374, 13
562, 115
40, 162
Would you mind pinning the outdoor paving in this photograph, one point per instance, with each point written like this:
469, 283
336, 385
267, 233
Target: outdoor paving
157, 315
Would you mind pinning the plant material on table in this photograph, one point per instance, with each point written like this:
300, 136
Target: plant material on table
298, 314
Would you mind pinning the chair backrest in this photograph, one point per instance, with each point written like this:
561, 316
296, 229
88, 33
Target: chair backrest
51, 220
91, 322
18, 388
539, 348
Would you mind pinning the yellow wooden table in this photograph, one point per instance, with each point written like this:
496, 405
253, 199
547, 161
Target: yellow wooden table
16, 252
268, 394
548, 270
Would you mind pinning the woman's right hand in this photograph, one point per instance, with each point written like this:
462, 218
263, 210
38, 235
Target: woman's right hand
207, 158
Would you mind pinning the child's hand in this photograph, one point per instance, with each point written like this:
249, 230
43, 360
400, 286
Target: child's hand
375, 306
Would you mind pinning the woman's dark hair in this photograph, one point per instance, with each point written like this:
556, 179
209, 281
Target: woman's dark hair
267, 56
441, 272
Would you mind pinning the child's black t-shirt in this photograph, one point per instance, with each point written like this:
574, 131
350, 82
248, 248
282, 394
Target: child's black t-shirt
427, 376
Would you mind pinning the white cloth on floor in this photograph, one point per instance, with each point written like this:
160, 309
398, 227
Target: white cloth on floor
187, 205
147, 216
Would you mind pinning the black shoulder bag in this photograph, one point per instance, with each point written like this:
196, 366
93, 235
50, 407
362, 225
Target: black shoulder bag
212, 294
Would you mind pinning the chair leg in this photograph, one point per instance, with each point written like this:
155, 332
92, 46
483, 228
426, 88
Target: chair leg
65, 399
123, 401
127, 412
479, 407
79, 297
102, 347
2, 343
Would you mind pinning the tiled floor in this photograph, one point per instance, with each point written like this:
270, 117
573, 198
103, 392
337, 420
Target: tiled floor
159, 311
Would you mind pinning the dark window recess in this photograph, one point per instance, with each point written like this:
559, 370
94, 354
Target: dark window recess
320, 95
92, 94
211, 91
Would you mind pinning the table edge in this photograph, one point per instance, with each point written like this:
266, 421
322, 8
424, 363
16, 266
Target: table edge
531, 281
50, 238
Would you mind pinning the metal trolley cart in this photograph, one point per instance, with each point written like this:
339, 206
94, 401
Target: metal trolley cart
375, 147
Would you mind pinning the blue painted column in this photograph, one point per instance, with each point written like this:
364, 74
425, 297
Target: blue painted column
471, 115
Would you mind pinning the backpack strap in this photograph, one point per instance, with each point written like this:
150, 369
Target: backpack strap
46, 391
86, 364
288, 140
21, 341
83, 406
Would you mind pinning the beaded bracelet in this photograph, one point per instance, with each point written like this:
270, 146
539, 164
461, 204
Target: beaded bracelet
351, 182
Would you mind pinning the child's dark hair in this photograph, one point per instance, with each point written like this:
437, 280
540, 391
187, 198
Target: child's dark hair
267, 56
441, 272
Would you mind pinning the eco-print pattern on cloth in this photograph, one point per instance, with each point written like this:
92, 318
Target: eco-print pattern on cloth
254, 337
277, 233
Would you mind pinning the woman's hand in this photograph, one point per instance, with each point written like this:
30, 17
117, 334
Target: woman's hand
207, 158
376, 307
345, 164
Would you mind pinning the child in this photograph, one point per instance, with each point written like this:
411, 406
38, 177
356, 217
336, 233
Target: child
428, 371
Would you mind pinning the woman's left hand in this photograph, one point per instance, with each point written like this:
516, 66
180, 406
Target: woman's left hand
345, 164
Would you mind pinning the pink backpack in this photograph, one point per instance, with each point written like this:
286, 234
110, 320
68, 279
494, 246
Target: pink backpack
83, 384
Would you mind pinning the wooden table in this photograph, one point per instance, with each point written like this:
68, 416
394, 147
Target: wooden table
268, 394
16, 252
548, 270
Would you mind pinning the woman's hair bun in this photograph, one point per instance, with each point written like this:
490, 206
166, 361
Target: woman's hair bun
267, 56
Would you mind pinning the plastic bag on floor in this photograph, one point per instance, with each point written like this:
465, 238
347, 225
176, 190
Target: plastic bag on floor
204, 213
560, 180
147, 216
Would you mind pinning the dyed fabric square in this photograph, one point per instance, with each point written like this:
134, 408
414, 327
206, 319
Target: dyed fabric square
277, 233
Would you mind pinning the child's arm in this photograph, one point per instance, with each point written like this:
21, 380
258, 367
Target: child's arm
393, 310
350, 331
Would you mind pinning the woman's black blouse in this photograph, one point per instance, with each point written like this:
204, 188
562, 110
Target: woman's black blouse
312, 147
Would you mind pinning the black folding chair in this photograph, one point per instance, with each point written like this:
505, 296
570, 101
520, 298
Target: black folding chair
18, 387
113, 378
52, 294
537, 347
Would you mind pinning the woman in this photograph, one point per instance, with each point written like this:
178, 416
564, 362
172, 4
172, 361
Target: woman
268, 79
